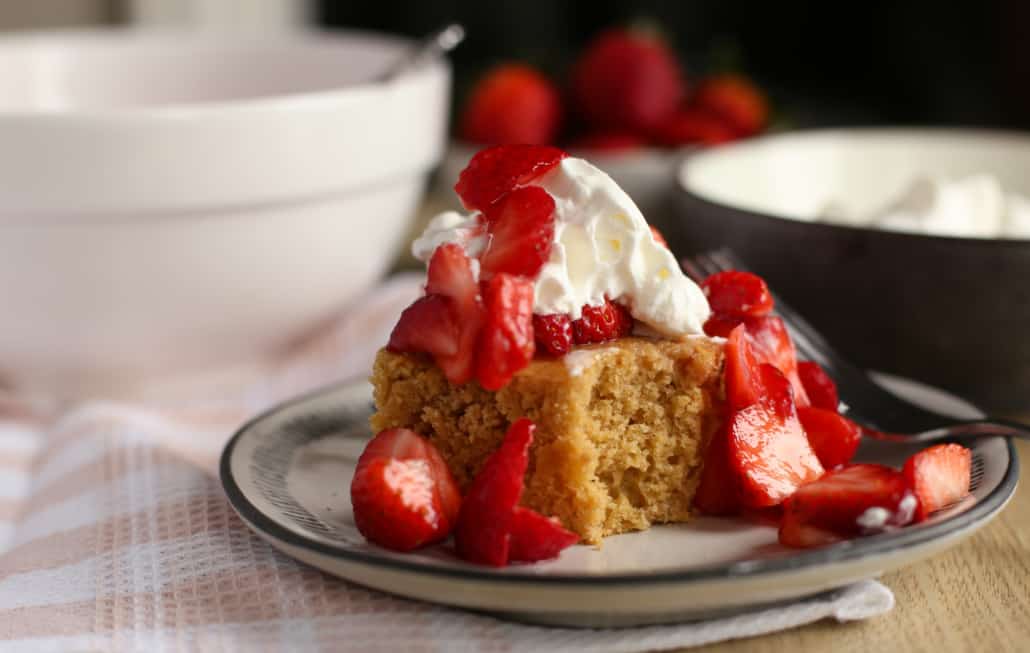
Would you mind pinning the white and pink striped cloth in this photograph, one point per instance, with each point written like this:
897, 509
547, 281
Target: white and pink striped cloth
115, 534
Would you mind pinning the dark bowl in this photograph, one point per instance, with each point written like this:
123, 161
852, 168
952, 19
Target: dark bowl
954, 312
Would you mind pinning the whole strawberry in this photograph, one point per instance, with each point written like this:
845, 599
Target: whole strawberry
736, 100
512, 104
627, 81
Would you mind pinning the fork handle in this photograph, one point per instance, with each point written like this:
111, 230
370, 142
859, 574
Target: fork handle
974, 428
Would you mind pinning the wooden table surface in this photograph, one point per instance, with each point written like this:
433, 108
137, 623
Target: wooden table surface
974, 597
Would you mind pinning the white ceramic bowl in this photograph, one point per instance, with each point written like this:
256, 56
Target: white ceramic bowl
172, 202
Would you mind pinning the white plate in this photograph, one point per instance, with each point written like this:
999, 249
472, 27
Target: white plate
287, 473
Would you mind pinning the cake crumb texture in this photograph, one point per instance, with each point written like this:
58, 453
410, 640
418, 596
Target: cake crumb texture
619, 441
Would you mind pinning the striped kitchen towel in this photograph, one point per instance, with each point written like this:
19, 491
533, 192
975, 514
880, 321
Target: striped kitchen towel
115, 534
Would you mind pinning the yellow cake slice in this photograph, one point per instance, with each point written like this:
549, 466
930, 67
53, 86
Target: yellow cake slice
621, 426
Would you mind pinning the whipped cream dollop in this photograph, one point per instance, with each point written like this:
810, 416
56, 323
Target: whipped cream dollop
971, 207
603, 247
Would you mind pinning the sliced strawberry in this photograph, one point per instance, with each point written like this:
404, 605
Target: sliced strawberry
737, 293
496, 171
608, 321
821, 389
834, 438
521, 231
535, 537
718, 492
506, 343
743, 379
772, 344
721, 325
767, 445
848, 502
512, 103
658, 237
553, 333
402, 493
939, 476
428, 325
450, 275
483, 533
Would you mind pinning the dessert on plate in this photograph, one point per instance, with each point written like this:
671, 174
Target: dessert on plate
562, 380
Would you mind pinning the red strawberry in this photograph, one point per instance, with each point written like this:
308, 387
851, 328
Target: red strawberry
692, 126
506, 342
718, 492
848, 502
521, 231
496, 171
512, 103
772, 344
767, 446
553, 333
834, 438
939, 476
402, 493
450, 275
658, 237
627, 82
736, 100
535, 537
737, 293
821, 389
609, 142
721, 325
743, 379
608, 321
428, 325
483, 533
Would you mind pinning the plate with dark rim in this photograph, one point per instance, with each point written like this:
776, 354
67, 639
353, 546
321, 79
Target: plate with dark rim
287, 474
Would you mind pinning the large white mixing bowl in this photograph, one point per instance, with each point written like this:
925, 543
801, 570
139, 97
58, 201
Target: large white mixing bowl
172, 202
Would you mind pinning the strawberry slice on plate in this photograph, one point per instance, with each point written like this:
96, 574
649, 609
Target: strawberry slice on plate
833, 437
718, 492
738, 293
602, 323
772, 344
496, 171
768, 448
520, 228
492, 529
743, 380
402, 493
535, 537
506, 341
939, 476
483, 533
820, 388
849, 502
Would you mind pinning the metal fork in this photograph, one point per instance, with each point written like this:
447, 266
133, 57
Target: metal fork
883, 414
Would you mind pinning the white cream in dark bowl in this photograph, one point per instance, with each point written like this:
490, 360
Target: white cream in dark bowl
950, 310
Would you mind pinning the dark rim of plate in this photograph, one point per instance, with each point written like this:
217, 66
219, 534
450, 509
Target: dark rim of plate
843, 552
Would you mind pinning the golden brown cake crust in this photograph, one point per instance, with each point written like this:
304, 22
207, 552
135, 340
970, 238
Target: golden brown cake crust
621, 426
